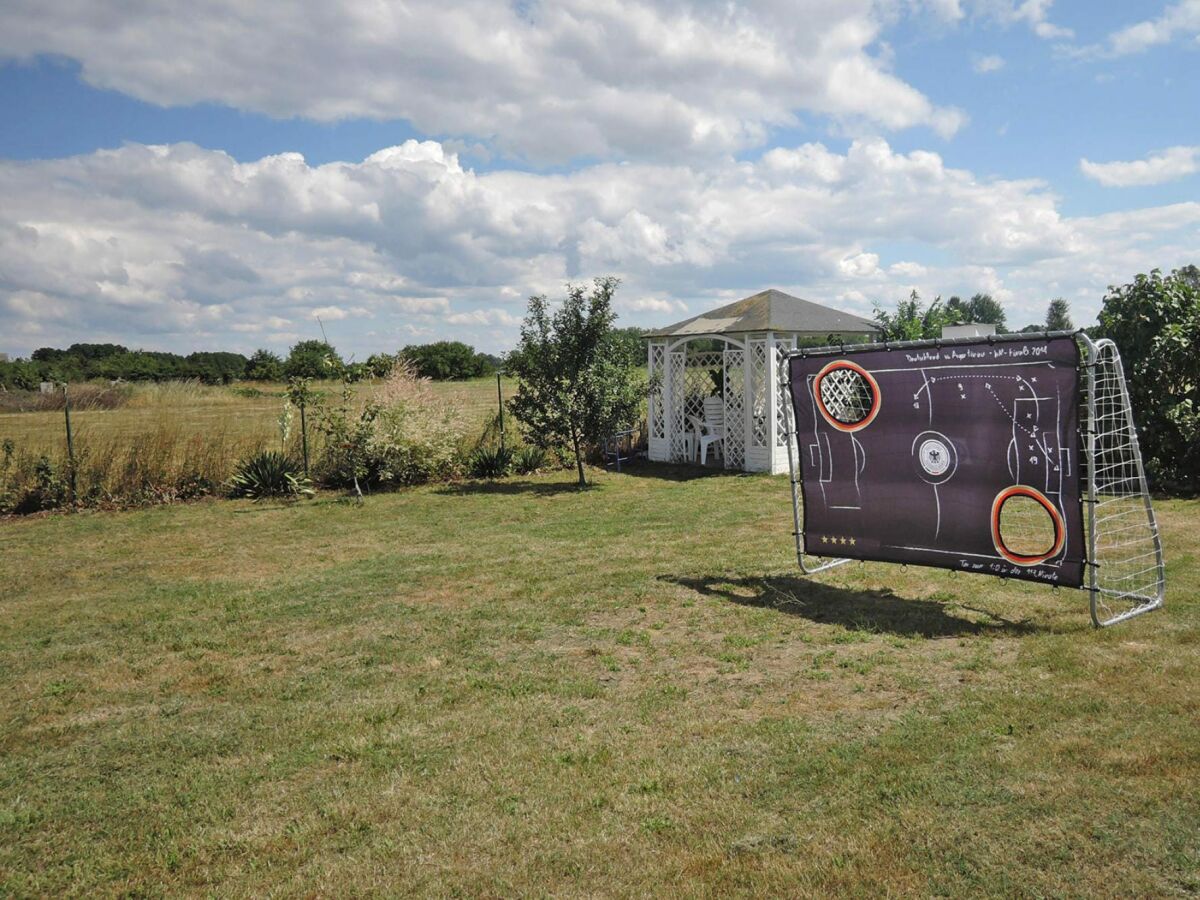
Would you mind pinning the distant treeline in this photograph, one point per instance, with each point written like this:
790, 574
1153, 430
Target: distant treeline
441, 361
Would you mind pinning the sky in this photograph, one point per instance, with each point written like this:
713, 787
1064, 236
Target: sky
235, 175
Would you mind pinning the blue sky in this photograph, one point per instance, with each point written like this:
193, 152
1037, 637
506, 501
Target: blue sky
210, 176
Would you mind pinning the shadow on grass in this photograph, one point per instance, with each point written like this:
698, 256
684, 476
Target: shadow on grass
674, 471
512, 487
876, 611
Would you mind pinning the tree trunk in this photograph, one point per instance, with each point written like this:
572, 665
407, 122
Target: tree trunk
578, 458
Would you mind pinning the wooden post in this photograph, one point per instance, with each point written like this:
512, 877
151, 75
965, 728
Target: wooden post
70, 443
304, 436
500, 403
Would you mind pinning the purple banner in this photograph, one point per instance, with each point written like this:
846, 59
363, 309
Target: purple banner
963, 456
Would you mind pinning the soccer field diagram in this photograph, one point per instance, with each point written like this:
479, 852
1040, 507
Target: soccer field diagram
963, 456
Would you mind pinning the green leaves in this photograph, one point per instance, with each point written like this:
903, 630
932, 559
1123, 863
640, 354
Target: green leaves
575, 385
1155, 322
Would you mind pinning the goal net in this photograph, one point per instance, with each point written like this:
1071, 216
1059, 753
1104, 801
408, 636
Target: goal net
1009, 455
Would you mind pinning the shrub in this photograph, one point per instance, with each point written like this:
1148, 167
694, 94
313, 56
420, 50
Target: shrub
529, 459
405, 435
1155, 322
268, 474
447, 361
48, 490
491, 462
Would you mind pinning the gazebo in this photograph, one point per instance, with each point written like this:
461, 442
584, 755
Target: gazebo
719, 374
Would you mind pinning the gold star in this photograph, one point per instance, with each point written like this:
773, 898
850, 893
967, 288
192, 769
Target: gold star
843, 540
824, 539
852, 542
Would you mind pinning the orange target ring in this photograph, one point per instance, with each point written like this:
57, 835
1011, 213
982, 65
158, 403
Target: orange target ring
847, 395
1026, 559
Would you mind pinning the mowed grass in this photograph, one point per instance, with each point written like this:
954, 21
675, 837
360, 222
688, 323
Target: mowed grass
518, 688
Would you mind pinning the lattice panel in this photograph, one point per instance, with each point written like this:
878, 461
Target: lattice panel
759, 403
705, 369
847, 396
675, 378
780, 407
735, 403
658, 419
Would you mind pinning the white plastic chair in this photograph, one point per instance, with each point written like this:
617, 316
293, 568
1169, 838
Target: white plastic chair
711, 429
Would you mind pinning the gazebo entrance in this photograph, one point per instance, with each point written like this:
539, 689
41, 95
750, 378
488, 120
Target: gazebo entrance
719, 375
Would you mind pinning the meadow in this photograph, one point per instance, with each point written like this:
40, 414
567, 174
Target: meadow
147, 443
515, 687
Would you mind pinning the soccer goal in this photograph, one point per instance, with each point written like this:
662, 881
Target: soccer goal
1008, 455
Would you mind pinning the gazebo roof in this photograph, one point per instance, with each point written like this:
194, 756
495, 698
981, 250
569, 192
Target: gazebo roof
769, 310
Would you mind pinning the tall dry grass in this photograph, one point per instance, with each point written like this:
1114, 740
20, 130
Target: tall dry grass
151, 443
159, 451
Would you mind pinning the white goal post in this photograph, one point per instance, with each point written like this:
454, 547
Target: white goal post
1124, 561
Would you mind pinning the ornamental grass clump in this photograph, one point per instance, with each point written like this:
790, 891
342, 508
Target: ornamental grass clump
491, 462
269, 474
403, 435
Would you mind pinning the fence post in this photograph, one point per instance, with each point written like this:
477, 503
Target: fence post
304, 436
70, 443
500, 403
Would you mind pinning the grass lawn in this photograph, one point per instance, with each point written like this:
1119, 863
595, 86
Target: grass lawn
517, 688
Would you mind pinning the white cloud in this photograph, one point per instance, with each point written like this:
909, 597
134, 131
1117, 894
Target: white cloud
651, 304
493, 316
860, 265
552, 81
986, 64
1178, 19
949, 10
1158, 168
1032, 13
180, 247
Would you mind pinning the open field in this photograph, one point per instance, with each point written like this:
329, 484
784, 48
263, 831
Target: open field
246, 413
155, 443
514, 687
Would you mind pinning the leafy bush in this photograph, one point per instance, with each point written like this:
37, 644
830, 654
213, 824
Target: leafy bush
448, 361
405, 435
268, 474
48, 490
1155, 323
913, 321
313, 359
491, 462
529, 459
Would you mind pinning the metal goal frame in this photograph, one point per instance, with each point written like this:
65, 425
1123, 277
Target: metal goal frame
1125, 572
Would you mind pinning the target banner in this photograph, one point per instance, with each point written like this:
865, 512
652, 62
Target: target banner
962, 456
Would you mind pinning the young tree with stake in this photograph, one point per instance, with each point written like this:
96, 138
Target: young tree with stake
573, 388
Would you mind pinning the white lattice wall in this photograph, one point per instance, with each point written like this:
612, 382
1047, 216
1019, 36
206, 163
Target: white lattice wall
735, 389
744, 375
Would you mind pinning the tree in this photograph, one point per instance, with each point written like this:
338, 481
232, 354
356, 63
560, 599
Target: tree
380, 365
312, 359
571, 389
447, 361
629, 346
1155, 322
981, 308
264, 366
1058, 316
912, 321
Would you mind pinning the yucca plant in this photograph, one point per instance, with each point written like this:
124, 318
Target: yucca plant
491, 462
268, 473
529, 459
